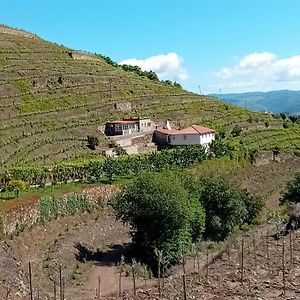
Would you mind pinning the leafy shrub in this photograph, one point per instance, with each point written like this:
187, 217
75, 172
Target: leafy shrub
292, 190
218, 148
92, 142
226, 207
120, 151
253, 154
236, 131
162, 215
16, 185
285, 125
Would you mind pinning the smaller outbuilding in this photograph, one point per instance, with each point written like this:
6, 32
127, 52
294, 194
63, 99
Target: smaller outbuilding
193, 135
128, 126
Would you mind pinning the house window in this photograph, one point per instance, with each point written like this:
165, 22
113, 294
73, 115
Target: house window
173, 137
184, 137
125, 127
118, 127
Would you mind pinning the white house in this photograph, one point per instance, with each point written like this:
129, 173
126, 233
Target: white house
193, 135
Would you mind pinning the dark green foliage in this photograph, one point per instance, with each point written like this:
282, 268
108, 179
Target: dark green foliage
292, 191
283, 116
275, 152
168, 82
124, 165
108, 60
294, 119
120, 151
162, 215
92, 142
236, 131
267, 124
285, 125
226, 207
150, 75
253, 154
155, 161
218, 148
176, 84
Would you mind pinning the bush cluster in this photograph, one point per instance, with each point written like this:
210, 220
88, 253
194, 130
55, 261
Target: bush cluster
169, 212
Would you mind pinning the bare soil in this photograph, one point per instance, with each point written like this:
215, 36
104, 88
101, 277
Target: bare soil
90, 246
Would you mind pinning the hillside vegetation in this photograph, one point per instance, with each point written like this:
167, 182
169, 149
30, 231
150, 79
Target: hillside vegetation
52, 98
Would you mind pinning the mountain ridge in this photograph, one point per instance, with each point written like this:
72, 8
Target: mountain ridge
277, 101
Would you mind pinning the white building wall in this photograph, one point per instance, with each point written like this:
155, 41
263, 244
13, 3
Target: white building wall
184, 139
191, 139
207, 138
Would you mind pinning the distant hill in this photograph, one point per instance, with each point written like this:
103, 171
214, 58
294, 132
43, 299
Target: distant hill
285, 101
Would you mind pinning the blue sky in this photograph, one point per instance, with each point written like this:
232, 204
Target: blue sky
232, 45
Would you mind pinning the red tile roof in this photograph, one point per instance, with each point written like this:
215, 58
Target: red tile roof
194, 129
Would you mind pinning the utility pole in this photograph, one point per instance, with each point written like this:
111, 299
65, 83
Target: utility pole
220, 92
245, 104
199, 87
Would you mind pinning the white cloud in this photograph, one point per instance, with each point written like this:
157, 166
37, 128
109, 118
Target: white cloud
166, 66
261, 71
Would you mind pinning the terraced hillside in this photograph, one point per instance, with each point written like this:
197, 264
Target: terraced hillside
52, 97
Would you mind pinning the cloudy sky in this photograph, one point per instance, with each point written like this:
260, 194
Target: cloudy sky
207, 45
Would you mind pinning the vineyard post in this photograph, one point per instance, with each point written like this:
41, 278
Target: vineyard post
184, 286
120, 284
207, 265
63, 289
7, 294
60, 284
30, 281
159, 255
291, 248
254, 251
283, 268
268, 254
120, 277
133, 277
198, 264
99, 287
228, 255
54, 290
242, 262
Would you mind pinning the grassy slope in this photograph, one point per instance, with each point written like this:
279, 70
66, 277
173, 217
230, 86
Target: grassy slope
50, 102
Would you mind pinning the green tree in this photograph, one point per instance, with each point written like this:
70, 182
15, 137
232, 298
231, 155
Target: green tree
292, 190
176, 84
236, 131
92, 142
218, 148
253, 154
162, 215
16, 185
226, 207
